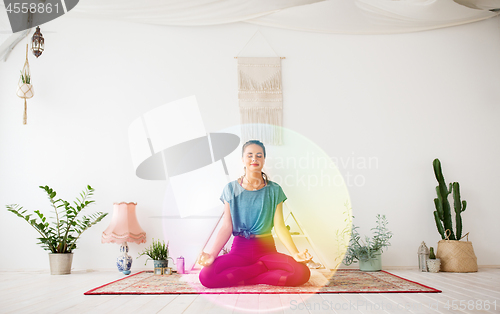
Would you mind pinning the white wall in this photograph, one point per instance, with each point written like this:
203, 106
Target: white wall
401, 100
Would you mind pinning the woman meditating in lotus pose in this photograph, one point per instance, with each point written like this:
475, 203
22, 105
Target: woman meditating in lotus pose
252, 205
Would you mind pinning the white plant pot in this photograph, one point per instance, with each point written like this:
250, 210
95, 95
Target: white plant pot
434, 265
60, 263
25, 91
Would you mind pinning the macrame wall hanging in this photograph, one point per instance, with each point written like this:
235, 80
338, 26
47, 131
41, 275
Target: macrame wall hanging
24, 88
260, 98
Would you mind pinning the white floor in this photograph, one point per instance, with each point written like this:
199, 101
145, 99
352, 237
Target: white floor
22, 292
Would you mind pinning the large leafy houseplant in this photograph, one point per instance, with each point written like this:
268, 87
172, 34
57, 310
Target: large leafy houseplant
61, 236
368, 249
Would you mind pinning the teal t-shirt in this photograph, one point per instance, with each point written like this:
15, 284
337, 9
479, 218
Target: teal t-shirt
252, 212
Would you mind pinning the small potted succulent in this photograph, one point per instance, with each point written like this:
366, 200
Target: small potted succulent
369, 251
158, 252
433, 263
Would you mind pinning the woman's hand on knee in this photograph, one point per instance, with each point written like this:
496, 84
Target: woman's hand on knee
302, 257
206, 259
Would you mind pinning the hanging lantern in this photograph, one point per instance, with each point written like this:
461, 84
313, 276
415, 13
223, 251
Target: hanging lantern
24, 88
423, 256
37, 43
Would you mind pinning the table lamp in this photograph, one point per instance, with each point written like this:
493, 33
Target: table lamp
124, 228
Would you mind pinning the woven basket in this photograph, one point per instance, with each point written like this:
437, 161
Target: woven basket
457, 256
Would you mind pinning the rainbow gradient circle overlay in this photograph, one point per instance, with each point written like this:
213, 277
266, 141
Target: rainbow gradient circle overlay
316, 195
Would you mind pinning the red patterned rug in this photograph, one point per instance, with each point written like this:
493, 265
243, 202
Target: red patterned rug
341, 281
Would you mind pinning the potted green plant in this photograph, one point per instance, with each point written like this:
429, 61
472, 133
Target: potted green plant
25, 89
369, 251
455, 255
433, 263
25, 78
61, 236
158, 252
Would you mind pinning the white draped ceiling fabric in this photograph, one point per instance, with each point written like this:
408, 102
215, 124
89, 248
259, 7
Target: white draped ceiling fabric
322, 16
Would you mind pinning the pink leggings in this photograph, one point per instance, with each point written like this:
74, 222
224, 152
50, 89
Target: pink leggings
254, 261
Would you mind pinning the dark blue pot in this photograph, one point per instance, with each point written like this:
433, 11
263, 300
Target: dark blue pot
161, 263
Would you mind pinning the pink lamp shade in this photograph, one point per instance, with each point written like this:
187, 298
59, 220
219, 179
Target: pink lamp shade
124, 226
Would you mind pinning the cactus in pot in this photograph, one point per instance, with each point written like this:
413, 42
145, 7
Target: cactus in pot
442, 214
431, 253
433, 263
459, 208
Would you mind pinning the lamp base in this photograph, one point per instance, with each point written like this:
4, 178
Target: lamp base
124, 261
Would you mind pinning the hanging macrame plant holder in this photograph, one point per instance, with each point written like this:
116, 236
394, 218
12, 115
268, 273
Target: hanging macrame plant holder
24, 87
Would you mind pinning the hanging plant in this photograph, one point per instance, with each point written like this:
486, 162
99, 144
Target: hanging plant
24, 88
25, 78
